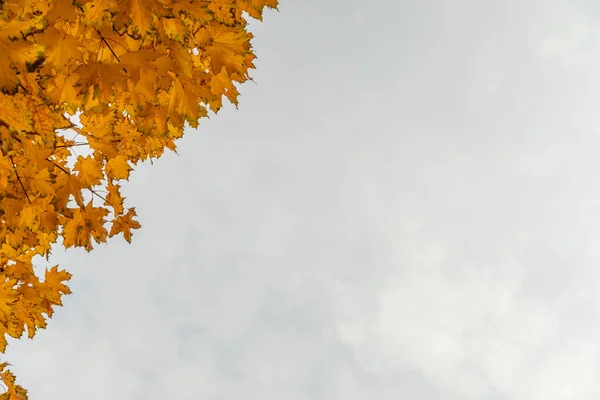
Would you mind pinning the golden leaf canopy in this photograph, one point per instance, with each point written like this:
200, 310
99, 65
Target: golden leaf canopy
134, 72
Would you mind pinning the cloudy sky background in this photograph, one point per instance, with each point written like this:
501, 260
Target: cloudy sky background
405, 206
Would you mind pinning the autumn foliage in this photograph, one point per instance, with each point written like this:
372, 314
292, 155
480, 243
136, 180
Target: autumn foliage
123, 77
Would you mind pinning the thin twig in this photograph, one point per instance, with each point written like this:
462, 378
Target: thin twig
108, 45
71, 145
58, 166
19, 179
102, 197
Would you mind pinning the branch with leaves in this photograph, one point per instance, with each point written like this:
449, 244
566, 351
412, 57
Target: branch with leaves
136, 72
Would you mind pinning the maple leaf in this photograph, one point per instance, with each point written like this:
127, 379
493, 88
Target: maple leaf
36, 155
68, 185
72, 228
45, 120
8, 297
11, 113
221, 84
16, 28
90, 170
16, 53
223, 11
85, 225
118, 168
62, 49
104, 76
140, 13
95, 224
61, 11
254, 8
114, 198
175, 29
138, 62
11, 208
13, 391
125, 224
97, 12
28, 214
54, 287
42, 182
182, 60
65, 88
225, 47
185, 98
19, 270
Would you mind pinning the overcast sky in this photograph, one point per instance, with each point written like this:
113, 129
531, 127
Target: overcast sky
405, 206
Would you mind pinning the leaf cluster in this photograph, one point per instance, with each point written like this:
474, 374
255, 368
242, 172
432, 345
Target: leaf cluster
134, 72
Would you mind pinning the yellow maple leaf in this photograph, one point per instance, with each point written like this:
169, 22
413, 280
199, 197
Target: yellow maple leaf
62, 49
125, 224
16, 54
221, 85
185, 97
95, 224
65, 88
140, 13
41, 182
175, 29
73, 230
11, 208
97, 13
105, 77
68, 185
254, 8
114, 198
225, 47
182, 60
13, 391
90, 170
13, 114
19, 270
54, 287
8, 297
223, 11
118, 168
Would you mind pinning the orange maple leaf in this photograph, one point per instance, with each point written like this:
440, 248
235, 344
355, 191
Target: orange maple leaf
90, 170
118, 168
125, 224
